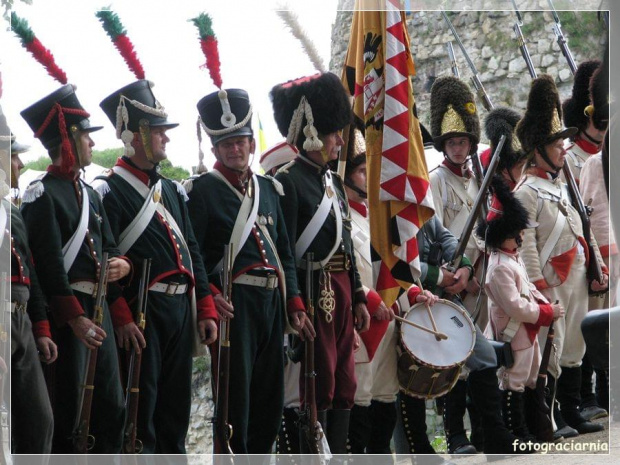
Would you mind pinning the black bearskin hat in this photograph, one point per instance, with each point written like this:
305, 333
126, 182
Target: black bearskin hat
574, 106
599, 95
327, 98
506, 217
453, 112
502, 122
542, 122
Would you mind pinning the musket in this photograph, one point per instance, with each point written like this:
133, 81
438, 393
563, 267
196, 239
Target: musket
594, 271
453, 65
476, 166
482, 94
481, 198
537, 411
223, 431
308, 418
4, 346
132, 445
521, 42
83, 441
557, 28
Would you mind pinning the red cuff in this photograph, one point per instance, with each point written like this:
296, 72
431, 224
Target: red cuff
545, 316
41, 329
541, 284
374, 300
295, 304
214, 290
120, 313
413, 293
65, 308
205, 308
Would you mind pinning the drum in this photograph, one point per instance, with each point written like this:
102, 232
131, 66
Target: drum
428, 368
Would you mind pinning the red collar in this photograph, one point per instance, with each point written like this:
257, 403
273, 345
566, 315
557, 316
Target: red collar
360, 208
456, 169
588, 146
137, 172
541, 173
59, 172
508, 252
232, 176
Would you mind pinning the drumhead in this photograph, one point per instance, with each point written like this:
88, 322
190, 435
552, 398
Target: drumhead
451, 320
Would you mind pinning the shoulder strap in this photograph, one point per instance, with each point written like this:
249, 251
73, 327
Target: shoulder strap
72, 247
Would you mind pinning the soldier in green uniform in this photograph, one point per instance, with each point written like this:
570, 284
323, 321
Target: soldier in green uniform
231, 204
69, 231
31, 413
317, 220
149, 219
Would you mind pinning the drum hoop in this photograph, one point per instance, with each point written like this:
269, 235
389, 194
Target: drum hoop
457, 307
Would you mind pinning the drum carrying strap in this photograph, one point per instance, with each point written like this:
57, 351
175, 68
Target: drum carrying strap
72, 247
329, 201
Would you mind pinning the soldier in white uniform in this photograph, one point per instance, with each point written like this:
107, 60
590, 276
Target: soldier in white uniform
517, 310
554, 252
455, 127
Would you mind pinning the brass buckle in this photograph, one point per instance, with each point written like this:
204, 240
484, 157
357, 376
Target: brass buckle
272, 281
172, 288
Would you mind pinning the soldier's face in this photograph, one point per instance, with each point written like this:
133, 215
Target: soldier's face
159, 139
358, 176
85, 146
556, 153
457, 149
234, 152
16, 167
331, 145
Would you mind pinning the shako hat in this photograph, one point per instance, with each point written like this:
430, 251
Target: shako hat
574, 107
453, 112
542, 122
226, 113
506, 217
306, 107
54, 116
502, 121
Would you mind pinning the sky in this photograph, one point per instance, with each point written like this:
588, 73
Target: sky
256, 52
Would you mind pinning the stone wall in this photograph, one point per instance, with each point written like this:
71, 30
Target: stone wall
490, 41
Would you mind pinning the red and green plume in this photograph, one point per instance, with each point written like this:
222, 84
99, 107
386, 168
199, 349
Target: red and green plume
39, 52
208, 43
114, 28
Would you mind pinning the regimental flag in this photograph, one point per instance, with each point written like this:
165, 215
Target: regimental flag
262, 141
377, 73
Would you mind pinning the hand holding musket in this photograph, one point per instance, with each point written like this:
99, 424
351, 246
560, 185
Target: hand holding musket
481, 199
594, 271
82, 440
223, 431
131, 445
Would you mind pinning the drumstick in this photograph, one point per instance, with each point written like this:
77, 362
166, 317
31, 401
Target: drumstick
437, 334
428, 310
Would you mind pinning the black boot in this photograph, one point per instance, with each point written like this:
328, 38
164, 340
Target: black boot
513, 411
382, 422
359, 429
413, 412
569, 384
602, 388
562, 430
455, 403
589, 407
477, 433
288, 436
486, 395
337, 430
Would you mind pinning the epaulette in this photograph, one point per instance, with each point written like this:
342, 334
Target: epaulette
188, 184
181, 190
34, 190
276, 184
284, 169
101, 186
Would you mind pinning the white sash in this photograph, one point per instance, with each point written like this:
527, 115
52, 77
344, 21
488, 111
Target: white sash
135, 229
245, 218
72, 247
317, 221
